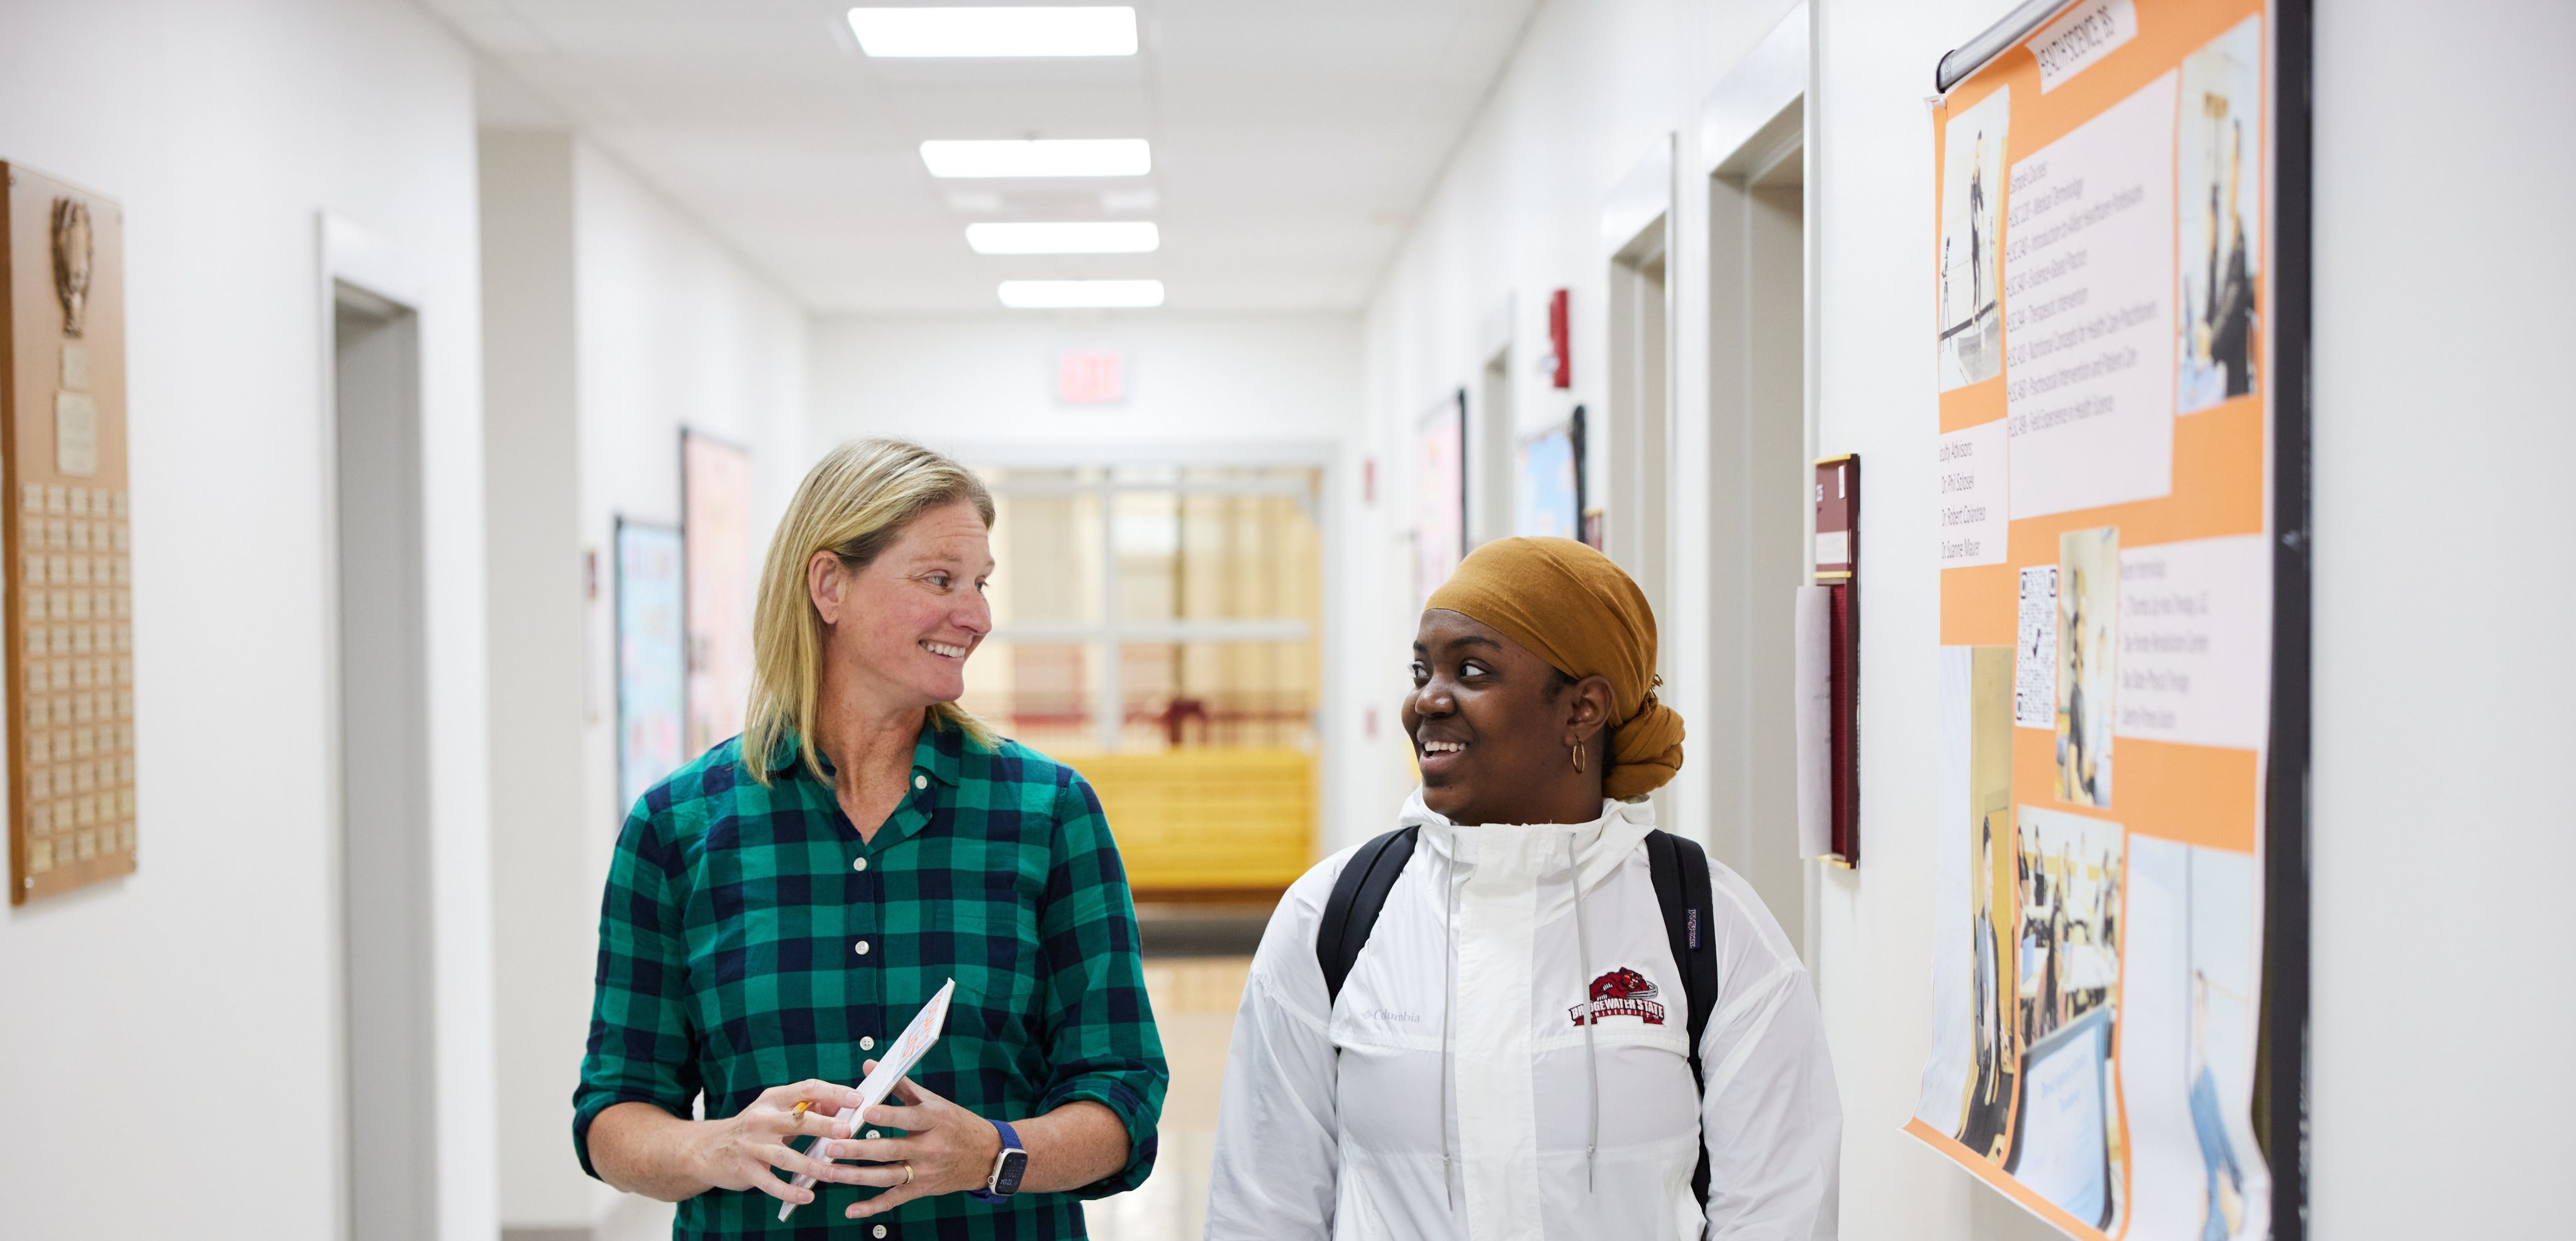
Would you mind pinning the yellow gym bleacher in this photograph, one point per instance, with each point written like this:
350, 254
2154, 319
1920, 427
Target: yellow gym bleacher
1198, 824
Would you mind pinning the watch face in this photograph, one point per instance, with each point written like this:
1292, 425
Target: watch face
1006, 1178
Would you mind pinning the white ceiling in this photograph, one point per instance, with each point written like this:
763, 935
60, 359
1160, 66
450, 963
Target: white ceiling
1292, 138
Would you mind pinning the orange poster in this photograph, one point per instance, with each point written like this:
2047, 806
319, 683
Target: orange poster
2103, 319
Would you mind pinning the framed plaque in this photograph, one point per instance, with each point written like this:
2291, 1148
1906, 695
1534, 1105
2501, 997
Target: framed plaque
68, 576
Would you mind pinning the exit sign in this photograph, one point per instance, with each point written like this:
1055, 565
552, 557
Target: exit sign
1090, 377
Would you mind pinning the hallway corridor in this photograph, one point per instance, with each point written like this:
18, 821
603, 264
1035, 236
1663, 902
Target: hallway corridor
567, 565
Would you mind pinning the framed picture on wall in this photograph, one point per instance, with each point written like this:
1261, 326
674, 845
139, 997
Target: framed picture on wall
1440, 494
1551, 488
652, 657
715, 505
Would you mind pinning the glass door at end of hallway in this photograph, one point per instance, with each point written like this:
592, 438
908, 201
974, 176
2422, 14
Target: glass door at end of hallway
1158, 628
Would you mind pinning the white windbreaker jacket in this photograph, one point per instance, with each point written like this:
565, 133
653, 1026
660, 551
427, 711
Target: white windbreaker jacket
1451, 1092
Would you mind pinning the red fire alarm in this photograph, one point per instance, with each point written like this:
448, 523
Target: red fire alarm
1559, 337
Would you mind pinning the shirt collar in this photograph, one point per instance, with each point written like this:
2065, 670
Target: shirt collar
937, 753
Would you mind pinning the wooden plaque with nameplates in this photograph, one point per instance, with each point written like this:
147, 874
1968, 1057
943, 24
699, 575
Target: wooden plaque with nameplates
68, 531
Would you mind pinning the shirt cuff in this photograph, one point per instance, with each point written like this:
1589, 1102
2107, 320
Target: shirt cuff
1129, 1107
589, 1111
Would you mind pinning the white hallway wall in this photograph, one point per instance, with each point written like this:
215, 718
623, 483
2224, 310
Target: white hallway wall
2442, 668
617, 321
1594, 93
210, 975
2428, 714
991, 379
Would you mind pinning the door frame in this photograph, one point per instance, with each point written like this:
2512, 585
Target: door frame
359, 269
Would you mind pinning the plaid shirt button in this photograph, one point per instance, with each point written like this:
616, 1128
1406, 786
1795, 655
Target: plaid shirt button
859, 864
863, 948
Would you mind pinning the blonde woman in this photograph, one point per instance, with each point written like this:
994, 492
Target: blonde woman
782, 906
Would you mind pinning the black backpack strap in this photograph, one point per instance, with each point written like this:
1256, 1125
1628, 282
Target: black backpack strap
1683, 890
1359, 894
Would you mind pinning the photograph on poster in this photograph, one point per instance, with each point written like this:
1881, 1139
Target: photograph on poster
652, 658
1439, 494
1972, 170
1951, 1073
2067, 871
2219, 213
1550, 495
2068, 1154
2066, 1143
2187, 1050
2088, 614
1994, 906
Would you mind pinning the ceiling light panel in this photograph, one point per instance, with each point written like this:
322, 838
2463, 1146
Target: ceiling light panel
1081, 294
1071, 237
1039, 157
919, 32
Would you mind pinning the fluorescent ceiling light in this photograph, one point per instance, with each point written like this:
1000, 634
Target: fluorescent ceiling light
1082, 237
996, 31
1080, 294
1039, 157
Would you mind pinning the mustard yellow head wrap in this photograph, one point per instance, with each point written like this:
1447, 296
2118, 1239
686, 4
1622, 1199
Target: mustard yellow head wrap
1572, 607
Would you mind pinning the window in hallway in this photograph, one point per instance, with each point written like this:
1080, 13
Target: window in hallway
1159, 628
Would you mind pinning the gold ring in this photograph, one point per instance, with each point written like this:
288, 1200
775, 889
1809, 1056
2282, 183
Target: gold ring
907, 1172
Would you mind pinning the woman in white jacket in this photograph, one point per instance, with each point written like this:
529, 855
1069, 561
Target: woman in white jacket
1508, 1057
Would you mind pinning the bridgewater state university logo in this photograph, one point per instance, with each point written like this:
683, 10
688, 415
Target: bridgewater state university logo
1621, 993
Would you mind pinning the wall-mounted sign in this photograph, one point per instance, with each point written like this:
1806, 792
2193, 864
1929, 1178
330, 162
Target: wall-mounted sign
68, 561
1090, 377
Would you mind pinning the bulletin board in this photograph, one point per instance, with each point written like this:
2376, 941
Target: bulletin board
1550, 502
652, 658
68, 566
715, 503
2119, 301
1439, 494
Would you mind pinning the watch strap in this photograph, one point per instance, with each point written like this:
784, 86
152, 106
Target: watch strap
1010, 1143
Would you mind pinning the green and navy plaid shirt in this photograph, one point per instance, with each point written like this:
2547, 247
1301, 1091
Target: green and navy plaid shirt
750, 939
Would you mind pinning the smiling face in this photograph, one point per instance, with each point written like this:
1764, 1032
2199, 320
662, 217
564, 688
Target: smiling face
902, 627
1491, 725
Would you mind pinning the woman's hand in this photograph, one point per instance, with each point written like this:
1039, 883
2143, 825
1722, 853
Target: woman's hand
945, 1148
740, 1151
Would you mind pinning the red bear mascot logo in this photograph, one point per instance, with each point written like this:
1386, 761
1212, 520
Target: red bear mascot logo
1621, 993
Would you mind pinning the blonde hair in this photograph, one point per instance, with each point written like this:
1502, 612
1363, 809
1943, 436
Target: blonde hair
853, 503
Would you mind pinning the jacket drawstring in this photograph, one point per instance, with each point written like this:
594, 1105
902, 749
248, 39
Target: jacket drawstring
1591, 1062
1448, 1003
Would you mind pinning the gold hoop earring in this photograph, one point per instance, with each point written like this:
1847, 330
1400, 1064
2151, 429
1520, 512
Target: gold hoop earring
1577, 747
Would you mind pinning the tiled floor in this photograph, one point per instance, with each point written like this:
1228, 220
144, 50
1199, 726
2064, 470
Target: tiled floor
1194, 1000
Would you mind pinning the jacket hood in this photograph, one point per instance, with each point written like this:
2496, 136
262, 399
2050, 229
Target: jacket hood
1535, 850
